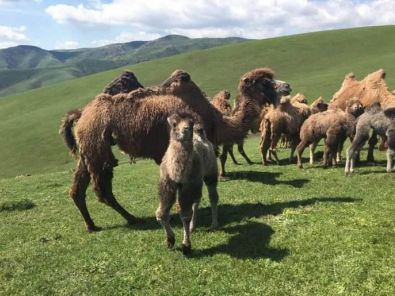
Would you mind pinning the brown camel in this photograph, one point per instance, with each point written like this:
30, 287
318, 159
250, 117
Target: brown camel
282, 89
370, 90
137, 123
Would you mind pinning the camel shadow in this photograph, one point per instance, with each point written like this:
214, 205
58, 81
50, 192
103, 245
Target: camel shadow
229, 213
251, 239
21, 205
248, 241
268, 178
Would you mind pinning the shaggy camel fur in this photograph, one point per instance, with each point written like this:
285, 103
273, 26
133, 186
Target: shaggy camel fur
189, 160
382, 123
286, 119
125, 83
137, 123
333, 125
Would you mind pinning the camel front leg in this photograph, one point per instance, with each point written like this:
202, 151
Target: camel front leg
167, 196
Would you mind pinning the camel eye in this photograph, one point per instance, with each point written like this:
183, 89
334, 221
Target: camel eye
174, 124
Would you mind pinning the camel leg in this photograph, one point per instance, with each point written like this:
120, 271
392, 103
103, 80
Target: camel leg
211, 184
102, 185
312, 147
232, 155
273, 147
188, 196
167, 197
295, 140
390, 159
372, 143
353, 151
339, 151
223, 159
78, 193
301, 147
240, 147
265, 142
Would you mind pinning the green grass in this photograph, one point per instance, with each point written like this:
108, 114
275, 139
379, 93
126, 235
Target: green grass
283, 231
315, 64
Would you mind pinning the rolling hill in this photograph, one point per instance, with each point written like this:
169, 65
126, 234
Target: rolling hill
28, 67
314, 64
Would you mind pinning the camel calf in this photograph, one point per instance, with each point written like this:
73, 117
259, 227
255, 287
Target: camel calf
188, 162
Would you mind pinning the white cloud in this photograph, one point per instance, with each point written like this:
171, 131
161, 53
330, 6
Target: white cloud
66, 45
13, 33
127, 37
12, 36
216, 18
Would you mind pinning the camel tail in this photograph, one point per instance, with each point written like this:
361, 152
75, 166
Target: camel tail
66, 129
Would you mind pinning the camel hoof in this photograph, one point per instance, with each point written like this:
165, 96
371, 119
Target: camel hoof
134, 220
186, 250
170, 242
94, 228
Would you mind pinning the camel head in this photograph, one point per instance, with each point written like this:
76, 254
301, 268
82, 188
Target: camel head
179, 79
260, 85
283, 88
181, 126
354, 106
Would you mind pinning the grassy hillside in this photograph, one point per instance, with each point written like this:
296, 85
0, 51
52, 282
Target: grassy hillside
283, 231
315, 64
28, 67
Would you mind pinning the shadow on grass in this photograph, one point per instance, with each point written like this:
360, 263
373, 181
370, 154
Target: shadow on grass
21, 205
229, 213
251, 239
268, 178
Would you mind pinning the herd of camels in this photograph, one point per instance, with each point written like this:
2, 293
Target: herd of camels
135, 118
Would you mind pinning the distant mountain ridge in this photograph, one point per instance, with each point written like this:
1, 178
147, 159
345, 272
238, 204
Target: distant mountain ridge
27, 67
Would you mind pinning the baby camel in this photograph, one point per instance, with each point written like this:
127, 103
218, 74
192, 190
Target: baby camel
383, 124
333, 125
188, 162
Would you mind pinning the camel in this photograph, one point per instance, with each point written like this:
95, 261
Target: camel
286, 119
334, 125
282, 89
137, 123
189, 161
370, 90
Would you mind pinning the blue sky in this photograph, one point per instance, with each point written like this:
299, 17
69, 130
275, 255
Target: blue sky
64, 24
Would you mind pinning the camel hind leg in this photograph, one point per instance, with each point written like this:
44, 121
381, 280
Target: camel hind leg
240, 147
102, 175
233, 156
78, 193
